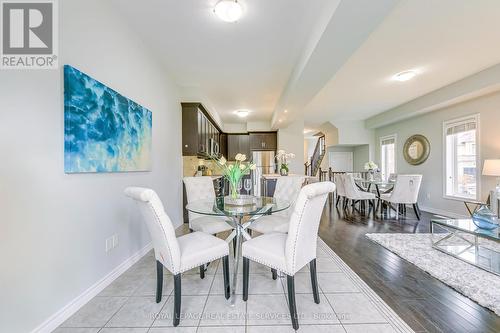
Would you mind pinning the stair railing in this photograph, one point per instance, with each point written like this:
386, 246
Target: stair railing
317, 157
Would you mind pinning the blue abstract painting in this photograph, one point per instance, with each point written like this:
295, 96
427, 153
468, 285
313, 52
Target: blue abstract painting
103, 130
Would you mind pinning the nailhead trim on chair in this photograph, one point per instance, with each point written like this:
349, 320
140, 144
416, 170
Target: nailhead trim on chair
269, 265
297, 234
170, 250
166, 241
201, 263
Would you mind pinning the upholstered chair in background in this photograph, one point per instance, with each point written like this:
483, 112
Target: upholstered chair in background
338, 179
287, 188
199, 188
288, 253
353, 193
177, 255
405, 192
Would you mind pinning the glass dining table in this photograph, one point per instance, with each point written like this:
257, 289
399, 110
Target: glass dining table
367, 185
240, 218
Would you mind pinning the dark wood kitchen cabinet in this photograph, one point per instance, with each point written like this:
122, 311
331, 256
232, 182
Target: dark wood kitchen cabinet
198, 128
223, 144
238, 143
263, 141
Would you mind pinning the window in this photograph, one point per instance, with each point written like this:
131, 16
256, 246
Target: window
388, 156
461, 138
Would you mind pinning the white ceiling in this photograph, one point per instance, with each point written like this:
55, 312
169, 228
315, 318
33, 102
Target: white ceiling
237, 65
444, 40
251, 64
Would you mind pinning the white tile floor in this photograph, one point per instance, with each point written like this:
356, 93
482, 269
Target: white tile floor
128, 305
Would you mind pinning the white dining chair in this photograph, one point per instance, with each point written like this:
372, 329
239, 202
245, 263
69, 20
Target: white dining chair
353, 193
405, 192
200, 188
288, 253
339, 183
177, 255
287, 189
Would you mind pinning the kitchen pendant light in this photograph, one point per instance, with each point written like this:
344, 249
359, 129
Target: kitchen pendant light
228, 10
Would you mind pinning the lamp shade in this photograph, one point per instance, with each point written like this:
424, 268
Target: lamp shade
491, 168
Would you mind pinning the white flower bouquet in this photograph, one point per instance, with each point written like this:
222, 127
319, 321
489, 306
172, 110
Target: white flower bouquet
371, 166
234, 172
283, 158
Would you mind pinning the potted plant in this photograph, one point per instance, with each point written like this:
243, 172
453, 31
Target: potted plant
233, 173
283, 158
371, 167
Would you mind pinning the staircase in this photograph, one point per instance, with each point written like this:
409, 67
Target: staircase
312, 167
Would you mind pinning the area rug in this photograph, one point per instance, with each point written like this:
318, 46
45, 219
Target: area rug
479, 285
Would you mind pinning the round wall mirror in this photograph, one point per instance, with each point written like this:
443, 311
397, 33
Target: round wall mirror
416, 149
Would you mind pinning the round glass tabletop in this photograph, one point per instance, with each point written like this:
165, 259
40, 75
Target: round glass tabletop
217, 207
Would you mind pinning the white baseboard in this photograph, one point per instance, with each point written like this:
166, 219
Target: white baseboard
443, 213
69, 309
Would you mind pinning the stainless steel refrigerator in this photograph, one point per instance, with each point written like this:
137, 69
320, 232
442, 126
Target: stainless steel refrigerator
266, 164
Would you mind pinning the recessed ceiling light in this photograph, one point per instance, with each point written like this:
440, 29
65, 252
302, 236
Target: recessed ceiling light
405, 76
286, 111
242, 113
228, 10
280, 120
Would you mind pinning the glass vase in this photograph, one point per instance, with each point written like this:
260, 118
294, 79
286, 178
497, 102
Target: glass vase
233, 188
284, 170
484, 218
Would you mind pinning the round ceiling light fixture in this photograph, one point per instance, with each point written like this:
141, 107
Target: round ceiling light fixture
242, 113
405, 76
228, 10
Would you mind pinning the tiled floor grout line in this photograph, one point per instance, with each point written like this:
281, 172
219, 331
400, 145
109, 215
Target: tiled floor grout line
206, 300
114, 314
261, 274
331, 306
159, 312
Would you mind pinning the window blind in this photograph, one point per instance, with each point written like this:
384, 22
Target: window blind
388, 141
461, 127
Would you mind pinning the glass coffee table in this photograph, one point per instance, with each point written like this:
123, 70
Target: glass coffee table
462, 241
240, 218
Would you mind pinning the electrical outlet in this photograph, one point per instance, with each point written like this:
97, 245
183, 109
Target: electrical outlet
115, 240
109, 244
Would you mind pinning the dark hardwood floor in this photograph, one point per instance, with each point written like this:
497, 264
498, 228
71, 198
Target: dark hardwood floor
425, 303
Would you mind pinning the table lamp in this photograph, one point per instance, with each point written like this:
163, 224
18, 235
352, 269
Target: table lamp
492, 168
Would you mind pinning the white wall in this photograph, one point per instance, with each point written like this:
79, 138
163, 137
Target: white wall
291, 139
431, 125
353, 132
361, 156
53, 225
309, 145
258, 126
235, 127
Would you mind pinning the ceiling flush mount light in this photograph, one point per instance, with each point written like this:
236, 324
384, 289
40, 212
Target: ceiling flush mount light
228, 10
242, 113
405, 76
